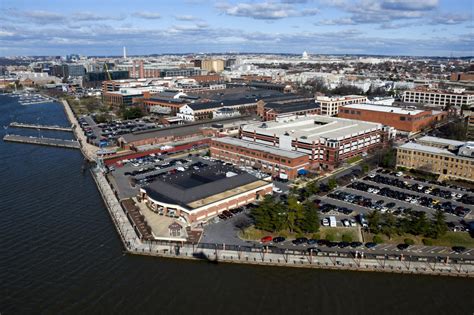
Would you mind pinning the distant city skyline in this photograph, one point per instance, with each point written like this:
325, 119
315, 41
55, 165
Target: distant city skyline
385, 27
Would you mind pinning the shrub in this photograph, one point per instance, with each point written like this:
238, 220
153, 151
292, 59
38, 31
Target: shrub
378, 239
427, 242
409, 241
331, 237
347, 237
316, 236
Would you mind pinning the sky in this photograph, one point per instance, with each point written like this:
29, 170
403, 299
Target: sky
103, 27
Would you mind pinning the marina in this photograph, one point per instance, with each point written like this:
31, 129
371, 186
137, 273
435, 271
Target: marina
38, 126
70, 144
27, 98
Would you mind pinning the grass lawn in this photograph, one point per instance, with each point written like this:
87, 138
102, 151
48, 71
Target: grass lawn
354, 159
449, 239
253, 234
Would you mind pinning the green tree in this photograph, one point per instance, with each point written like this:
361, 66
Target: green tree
389, 227
332, 183
132, 113
374, 220
365, 168
294, 214
310, 223
312, 188
262, 214
439, 227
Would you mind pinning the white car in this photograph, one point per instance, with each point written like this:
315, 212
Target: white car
353, 222
345, 222
372, 175
277, 190
399, 174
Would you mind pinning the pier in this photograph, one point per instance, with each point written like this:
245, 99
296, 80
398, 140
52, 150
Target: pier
61, 143
42, 127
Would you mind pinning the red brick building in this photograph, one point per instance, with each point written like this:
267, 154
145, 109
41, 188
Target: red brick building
405, 120
268, 159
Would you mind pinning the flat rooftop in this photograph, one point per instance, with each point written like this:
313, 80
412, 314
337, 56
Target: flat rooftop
196, 188
314, 127
425, 148
442, 141
260, 147
384, 109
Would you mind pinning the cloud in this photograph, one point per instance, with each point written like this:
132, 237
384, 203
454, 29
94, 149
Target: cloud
147, 15
409, 5
265, 10
451, 19
186, 18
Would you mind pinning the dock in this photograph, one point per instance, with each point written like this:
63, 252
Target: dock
61, 143
42, 127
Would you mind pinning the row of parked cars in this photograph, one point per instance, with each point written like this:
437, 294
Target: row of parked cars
420, 188
303, 241
227, 214
425, 201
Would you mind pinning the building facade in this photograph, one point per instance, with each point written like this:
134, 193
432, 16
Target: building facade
455, 163
405, 120
268, 159
443, 98
330, 105
328, 141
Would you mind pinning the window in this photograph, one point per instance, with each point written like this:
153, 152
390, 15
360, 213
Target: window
402, 118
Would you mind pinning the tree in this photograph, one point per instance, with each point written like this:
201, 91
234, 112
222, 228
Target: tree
374, 221
332, 183
262, 214
312, 188
439, 227
310, 223
389, 226
132, 113
294, 214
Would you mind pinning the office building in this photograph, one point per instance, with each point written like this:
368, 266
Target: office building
456, 97
327, 140
268, 159
330, 104
447, 158
402, 119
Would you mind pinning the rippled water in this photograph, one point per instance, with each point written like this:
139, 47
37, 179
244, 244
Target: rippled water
60, 253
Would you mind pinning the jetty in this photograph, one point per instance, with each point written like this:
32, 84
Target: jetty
42, 127
53, 142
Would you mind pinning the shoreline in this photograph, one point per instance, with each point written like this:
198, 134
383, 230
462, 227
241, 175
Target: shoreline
135, 246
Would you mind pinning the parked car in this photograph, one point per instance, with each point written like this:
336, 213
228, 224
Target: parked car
403, 246
266, 239
370, 244
278, 239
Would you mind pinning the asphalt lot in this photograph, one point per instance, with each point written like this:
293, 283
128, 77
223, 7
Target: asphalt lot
225, 231
122, 181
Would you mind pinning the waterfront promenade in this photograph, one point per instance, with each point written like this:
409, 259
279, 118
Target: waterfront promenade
89, 151
263, 256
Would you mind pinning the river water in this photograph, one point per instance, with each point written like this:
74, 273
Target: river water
59, 253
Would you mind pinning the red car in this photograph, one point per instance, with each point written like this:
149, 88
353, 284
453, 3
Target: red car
266, 239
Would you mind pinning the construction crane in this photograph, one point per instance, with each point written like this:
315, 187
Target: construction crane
106, 70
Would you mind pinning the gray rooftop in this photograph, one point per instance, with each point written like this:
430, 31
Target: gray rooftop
442, 141
425, 148
184, 188
260, 147
314, 127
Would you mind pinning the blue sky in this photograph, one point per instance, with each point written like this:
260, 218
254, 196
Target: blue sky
389, 27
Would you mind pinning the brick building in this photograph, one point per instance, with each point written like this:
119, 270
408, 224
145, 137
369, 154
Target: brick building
327, 141
199, 195
405, 120
448, 158
268, 159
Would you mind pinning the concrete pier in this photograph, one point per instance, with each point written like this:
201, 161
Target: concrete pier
37, 126
70, 144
